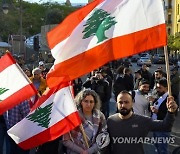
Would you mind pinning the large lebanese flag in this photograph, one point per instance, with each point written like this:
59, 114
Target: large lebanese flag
15, 86
52, 116
102, 31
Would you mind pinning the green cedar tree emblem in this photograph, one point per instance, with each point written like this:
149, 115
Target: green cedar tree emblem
41, 116
2, 91
97, 24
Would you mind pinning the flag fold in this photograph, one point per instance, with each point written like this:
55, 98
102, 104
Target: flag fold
14, 86
52, 116
102, 31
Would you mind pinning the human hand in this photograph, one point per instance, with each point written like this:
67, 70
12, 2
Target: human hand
84, 152
171, 104
150, 98
153, 109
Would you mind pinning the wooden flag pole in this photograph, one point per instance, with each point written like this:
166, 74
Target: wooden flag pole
84, 135
81, 126
167, 70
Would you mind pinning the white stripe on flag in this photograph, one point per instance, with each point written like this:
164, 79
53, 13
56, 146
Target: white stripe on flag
62, 107
12, 79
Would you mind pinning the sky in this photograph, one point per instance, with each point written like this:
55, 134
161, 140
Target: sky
60, 1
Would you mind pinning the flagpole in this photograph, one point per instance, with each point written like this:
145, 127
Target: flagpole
22, 72
167, 70
81, 126
19, 68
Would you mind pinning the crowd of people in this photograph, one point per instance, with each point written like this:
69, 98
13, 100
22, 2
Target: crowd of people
142, 98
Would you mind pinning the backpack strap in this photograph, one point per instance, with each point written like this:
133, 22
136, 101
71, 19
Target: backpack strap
133, 93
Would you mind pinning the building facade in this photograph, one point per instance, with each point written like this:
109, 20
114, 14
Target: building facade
176, 17
172, 15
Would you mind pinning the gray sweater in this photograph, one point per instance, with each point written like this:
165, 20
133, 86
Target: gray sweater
128, 135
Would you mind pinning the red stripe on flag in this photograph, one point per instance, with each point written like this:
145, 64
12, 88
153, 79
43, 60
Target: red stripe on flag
62, 31
6, 61
112, 49
17, 97
60, 128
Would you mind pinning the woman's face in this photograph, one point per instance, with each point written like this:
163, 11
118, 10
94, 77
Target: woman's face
88, 103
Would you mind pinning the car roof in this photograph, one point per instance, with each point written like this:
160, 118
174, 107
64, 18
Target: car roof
144, 58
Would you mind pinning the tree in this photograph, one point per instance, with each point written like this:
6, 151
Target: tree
34, 16
97, 24
174, 42
41, 116
53, 16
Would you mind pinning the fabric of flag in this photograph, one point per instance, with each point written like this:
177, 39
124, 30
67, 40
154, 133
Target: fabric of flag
102, 31
52, 116
14, 86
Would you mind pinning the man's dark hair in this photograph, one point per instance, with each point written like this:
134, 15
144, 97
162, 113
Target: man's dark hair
125, 92
143, 81
126, 70
159, 71
163, 82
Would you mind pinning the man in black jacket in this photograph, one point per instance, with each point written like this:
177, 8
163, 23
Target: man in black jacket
159, 110
101, 86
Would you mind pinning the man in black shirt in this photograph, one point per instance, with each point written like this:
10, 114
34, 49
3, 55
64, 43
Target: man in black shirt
128, 131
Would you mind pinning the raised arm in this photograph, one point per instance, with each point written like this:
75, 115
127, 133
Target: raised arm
167, 123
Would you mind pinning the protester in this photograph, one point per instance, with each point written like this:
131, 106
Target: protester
28, 72
138, 78
159, 110
145, 73
12, 117
3, 135
119, 85
141, 103
175, 83
38, 81
127, 125
128, 79
158, 74
93, 122
77, 86
101, 87
44, 70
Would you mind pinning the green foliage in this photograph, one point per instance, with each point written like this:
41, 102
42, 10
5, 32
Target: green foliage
41, 116
53, 16
97, 24
34, 16
174, 42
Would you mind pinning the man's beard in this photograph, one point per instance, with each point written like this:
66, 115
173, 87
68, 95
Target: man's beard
124, 111
144, 92
160, 93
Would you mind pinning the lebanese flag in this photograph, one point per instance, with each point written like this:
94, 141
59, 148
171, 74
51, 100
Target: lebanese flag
15, 86
52, 116
102, 31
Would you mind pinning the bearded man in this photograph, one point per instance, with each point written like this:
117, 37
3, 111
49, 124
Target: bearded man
128, 130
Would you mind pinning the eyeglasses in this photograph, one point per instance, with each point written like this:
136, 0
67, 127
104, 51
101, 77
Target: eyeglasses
88, 101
